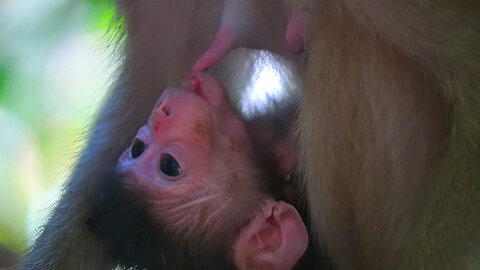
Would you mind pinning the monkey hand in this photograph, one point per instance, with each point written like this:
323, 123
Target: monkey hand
222, 43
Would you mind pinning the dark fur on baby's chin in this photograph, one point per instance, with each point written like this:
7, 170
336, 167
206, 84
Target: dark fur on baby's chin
120, 218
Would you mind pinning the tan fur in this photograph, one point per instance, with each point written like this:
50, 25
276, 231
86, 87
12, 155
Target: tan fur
389, 129
389, 132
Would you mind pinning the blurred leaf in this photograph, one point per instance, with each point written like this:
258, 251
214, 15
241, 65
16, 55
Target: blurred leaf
101, 2
102, 16
53, 73
3, 80
21, 169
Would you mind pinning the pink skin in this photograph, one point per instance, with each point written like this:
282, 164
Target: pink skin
191, 125
224, 41
274, 239
295, 27
185, 124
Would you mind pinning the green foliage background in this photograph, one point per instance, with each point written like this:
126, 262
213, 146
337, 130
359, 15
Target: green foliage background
56, 63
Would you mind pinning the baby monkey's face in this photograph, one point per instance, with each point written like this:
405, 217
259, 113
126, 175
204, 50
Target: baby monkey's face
186, 129
194, 167
191, 157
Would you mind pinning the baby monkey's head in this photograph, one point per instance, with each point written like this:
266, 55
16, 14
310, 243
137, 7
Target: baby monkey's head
193, 183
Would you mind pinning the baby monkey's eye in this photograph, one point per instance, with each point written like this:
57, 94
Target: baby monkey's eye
169, 166
137, 148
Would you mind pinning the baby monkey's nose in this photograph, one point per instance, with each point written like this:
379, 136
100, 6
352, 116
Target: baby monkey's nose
161, 113
163, 110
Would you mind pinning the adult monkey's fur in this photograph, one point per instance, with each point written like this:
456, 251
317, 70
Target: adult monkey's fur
389, 129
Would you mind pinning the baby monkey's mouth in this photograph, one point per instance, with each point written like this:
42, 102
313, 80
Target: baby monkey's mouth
206, 87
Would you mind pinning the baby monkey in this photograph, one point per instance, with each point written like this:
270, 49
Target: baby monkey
189, 193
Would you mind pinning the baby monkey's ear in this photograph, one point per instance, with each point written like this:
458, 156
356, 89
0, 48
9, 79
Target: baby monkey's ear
275, 239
